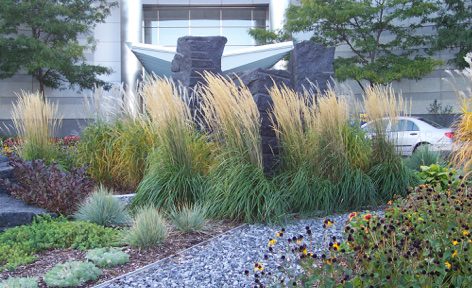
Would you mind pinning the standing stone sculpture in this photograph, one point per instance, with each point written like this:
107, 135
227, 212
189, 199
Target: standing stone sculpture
311, 63
259, 82
195, 55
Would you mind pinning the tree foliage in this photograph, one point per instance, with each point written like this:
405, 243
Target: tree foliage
263, 36
48, 40
454, 23
385, 36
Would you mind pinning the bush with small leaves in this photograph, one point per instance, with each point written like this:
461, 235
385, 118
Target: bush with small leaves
149, 228
103, 209
189, 218
71, 274
107, 257
20, 282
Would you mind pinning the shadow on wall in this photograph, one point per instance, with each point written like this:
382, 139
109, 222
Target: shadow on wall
68, 127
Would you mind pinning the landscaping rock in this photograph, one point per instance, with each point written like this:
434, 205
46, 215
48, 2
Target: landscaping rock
259, 82
195, 55
15, 212
311, 63
222, 261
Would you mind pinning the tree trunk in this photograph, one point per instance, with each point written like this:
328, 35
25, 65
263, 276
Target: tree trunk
41, 88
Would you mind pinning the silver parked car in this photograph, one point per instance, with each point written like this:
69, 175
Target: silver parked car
409, 133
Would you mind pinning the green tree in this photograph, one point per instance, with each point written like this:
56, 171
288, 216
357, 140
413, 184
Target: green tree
384, 36
263, 36
48, 39
454, 23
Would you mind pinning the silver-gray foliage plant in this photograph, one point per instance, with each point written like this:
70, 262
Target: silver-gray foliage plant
71, 274
107, 257
103, 209
20, 282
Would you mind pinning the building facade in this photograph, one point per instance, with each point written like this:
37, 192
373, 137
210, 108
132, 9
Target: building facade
161, 22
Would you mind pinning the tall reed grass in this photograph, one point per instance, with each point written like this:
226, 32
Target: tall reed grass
389, 173
322, 153
36, 121
176, 168
238, 187
462, 152
115, 152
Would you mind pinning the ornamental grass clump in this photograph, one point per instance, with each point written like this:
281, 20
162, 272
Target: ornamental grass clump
177, 167
71, 274
36, 121
149, 228
423, 156
238, 187
115, 152
389, 173
330, 173
103, 209
462, 152
189, 218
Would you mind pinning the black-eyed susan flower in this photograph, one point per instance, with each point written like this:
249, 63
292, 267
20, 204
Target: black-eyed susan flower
327, 223
258, 267
336, 246
455, 242
448, 265
272, 242
454, 254
465, 233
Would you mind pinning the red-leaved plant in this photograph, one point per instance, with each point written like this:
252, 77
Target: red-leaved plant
47, 186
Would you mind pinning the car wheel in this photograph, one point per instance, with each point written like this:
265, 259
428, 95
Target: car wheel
423, 145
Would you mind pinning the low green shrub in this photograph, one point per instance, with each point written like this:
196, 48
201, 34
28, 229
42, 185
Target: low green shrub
149, 228
438, 176
19, 245
103, 209
71, 274
189, 218
107, 257
423, 156
19, 282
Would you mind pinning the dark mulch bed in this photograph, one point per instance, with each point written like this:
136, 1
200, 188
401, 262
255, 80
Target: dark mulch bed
175, 242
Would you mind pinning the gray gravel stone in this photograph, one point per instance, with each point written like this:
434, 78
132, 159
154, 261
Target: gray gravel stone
222, 261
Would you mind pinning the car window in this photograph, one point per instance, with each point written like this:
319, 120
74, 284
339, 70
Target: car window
432, 123
372, 127
404, 125
411, 126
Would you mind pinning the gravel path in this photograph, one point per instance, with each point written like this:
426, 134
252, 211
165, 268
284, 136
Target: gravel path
223, 261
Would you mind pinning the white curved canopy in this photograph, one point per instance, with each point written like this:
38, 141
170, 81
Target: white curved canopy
157, 59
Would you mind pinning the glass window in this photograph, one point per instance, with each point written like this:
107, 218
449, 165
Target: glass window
411, 126
164, 25
205, 17
205, 31
169, 36
238, 36
404, 125
178, 17
150, 35
260, 18
239, 17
